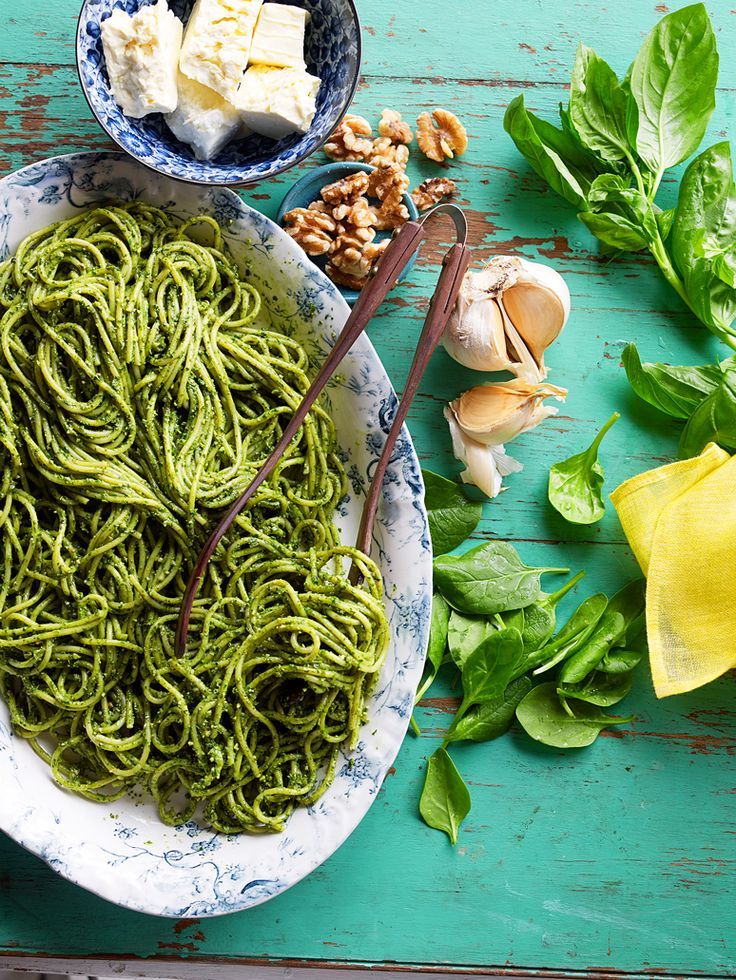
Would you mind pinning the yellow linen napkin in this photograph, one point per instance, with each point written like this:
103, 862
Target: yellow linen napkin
681, 523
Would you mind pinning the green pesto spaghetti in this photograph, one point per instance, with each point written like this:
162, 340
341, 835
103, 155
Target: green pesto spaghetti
138, 398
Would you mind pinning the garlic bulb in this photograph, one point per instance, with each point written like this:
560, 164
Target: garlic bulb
506, 316
485, 465
496, 413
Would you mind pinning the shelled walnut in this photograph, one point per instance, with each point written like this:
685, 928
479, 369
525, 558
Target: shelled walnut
441, 135
432, 191
348, 189
313, 230
394, 128
348, 142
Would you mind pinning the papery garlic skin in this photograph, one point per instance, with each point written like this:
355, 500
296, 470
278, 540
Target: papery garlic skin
493, 414
485, 465
506, 316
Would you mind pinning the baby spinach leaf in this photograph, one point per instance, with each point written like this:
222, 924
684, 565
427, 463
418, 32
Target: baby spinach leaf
598, 106
575, 484
673, 82
630, 602
601, 689
445, 800
542, 715
487, 671
464, 634
490, 579
571, 637
614, 231
620, 661
706, 209
452, 517
676, 391
437, 644
551, 152
492, 718
714, 420
541, 617
609, 631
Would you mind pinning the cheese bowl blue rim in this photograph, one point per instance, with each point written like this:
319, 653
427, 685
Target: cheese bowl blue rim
150, 142
121, 851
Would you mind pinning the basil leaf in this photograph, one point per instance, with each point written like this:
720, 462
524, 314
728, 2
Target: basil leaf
575, 484
490, 579
445, 800
676, 391
551, 152
673, 83
706, 209
714, 420
465, 634
601, 689
598, 107
488, 669
664, 221
437, 644
615, 231
452, 517
492, 718
543, 717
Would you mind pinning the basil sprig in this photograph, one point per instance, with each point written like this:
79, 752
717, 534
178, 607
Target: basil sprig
616, 141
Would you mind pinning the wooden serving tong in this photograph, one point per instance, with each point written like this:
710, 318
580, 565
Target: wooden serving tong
393, 260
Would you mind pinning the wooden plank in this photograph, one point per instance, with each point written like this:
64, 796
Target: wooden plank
616, 858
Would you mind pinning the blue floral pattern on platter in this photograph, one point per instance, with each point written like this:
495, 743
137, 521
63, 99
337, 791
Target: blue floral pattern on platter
122, 851
332, 53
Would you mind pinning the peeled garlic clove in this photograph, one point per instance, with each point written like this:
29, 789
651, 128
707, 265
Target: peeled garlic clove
492, 414
506, 316
485, 465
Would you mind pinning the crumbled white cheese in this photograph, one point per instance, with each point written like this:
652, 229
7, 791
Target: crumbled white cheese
142, 58
279, 36
203, 119
217, 43
277, 101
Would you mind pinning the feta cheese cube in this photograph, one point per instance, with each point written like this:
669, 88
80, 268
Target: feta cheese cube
277, 101
279, 36
217, 43
142, 58
203, 119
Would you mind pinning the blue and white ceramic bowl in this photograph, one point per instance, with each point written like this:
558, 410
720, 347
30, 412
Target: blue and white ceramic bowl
123, 852
333, 50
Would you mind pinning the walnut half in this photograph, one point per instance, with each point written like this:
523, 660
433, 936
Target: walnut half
313, 230
432, 191
441, 135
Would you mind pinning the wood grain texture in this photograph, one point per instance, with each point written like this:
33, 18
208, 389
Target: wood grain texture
620, 857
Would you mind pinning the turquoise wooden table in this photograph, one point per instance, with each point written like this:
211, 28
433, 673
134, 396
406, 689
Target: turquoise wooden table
620, 858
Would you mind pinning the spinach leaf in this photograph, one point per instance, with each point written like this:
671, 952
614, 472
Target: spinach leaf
437, 644
676, 391
571, 637
598, 107
552, 153
673, 83
609, 631
452, 517
492, 718
714, 420
464, 634
540, 618
630, 602
620, 661
542, 715
614, 231
706, 209
487, 671
489, 579
601, 689
575, 484
445, 800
